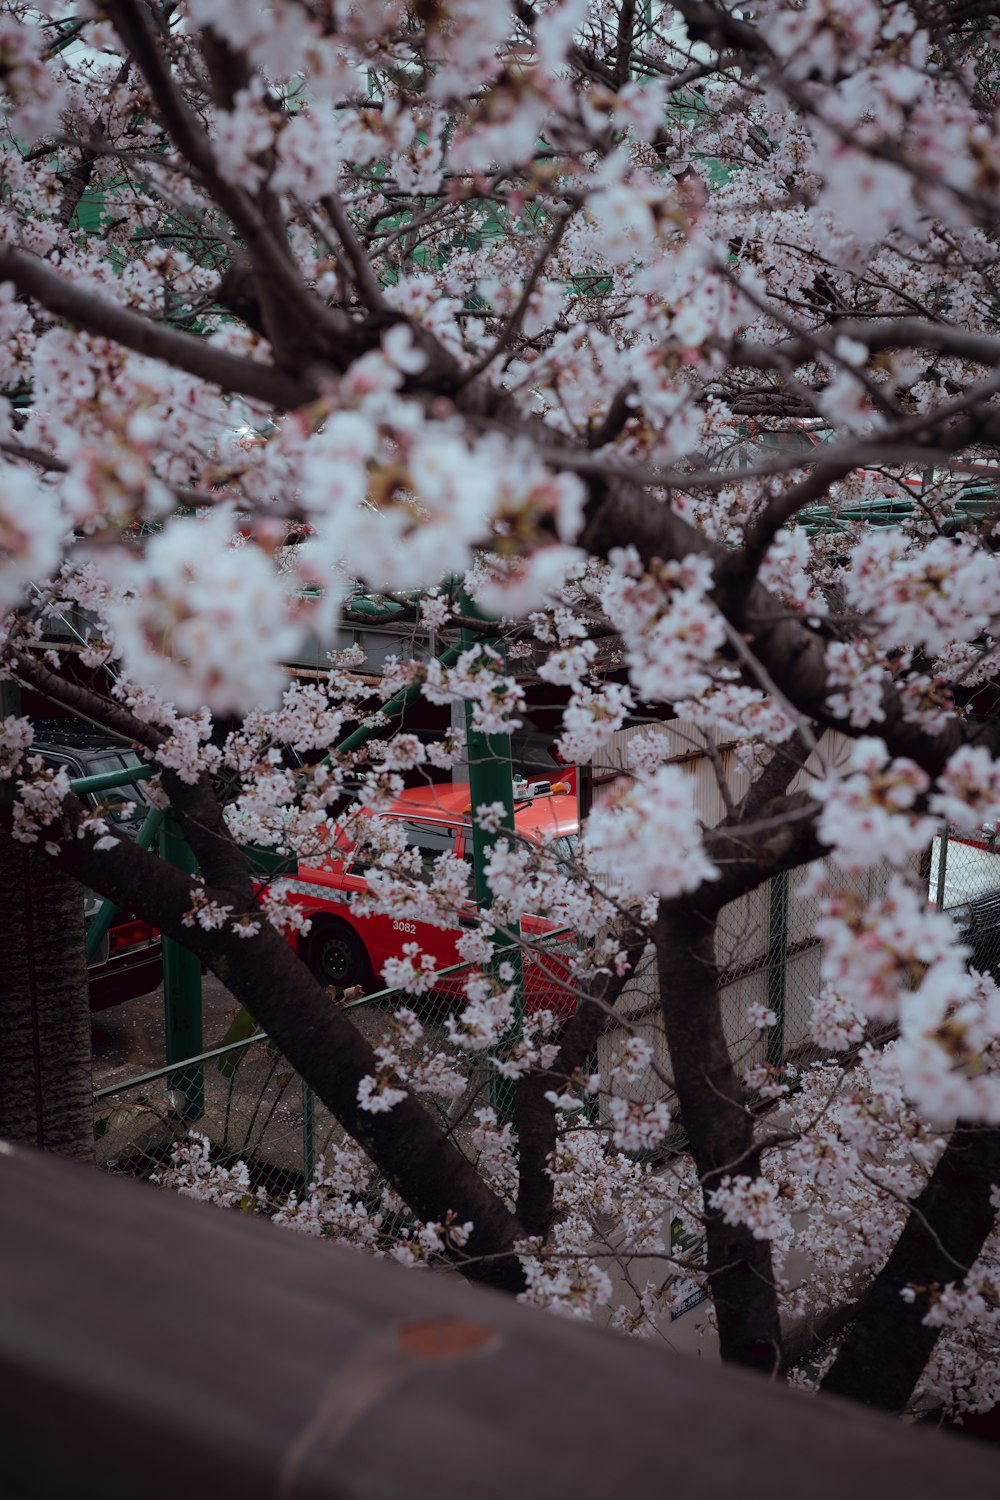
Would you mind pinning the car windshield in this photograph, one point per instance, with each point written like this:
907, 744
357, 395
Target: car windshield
99, 765
787, 442
115, 799
432, 839
566, 849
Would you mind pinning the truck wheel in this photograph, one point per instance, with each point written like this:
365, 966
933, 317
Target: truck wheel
336, 955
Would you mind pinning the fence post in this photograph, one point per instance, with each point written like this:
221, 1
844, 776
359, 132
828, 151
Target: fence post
777, 964
182, 1017
308, 1136
942, 869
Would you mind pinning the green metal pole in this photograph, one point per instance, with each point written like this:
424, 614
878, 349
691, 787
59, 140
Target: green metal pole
392, 708
491, 780
777, 965
80, 785
182, 1017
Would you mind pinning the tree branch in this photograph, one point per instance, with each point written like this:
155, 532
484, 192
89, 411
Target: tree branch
950, 1222
320, 1041
85, 703
512, 326
297, 321
184, 351
535, 1117
369, 291
719, 1129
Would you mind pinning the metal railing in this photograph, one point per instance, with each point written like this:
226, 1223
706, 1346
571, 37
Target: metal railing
253, 1106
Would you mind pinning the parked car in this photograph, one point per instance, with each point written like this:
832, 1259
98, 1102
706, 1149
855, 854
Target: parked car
344, 949
129, 962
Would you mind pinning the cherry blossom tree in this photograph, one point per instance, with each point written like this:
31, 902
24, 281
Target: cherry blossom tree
676, 323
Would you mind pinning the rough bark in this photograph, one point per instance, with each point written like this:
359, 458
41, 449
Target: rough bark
888, 1345
719, 1129
46, 1085
536, 1117
770, 832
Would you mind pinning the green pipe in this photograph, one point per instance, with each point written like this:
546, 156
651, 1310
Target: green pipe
155, 1074
394, 706
108, 779
942, 870
77, 636
308, 1133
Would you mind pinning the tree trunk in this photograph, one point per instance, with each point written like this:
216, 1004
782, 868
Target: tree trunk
46, 1082
888, 1345
535, 1117
719, 1129
321, 1042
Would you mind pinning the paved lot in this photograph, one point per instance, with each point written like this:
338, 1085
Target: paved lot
128, 1039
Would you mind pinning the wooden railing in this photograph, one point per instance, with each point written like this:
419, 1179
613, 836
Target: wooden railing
153, 1347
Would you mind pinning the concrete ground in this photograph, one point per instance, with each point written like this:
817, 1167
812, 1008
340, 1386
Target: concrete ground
127, 1039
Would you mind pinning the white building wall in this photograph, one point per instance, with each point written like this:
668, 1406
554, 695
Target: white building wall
745, 930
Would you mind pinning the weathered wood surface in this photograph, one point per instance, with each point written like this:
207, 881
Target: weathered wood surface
152, 1347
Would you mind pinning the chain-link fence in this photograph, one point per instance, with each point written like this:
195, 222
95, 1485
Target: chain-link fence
768, 960
253, 1107
767, 952
964, 881
245, 1099
263, 1134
